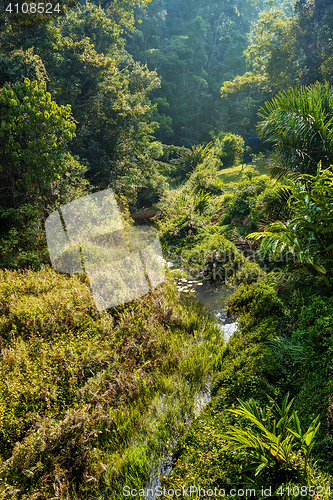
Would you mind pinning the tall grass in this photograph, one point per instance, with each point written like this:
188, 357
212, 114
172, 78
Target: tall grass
88, 398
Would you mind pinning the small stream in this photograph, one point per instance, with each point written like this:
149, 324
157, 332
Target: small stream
213, 299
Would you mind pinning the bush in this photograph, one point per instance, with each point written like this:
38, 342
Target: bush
249, 272
229, 149
307, 235
245, 198
205, 177
214, 257
22, 241
259, 299
178, 219
316, 324
270, 443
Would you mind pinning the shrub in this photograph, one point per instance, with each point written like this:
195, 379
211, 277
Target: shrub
181, 216
300, 120
259, 299
205, 177
229, 149
270, 443
308, 234
221, 264
214, 256
244, 206
187, 159
249, 272
245, 197
316, 324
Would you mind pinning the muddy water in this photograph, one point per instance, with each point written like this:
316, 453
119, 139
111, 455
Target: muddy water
213, 299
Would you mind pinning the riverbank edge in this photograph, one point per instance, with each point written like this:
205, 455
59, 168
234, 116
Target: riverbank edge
250, 368
107, 369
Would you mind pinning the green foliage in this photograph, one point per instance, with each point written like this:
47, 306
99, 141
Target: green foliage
80, 390
252, 366
299, 120
249, 272
87, 398
259, 299
275, 52
22, 239
244, 206
274, 204
202, 200
197, 46
189, 159
271, 442
206, 177
241, 99
219, 263
179, 218
308, 234
89, 69
280, 55
229, 149
316, 327
37, 172
34, 134
315, 20
19, 65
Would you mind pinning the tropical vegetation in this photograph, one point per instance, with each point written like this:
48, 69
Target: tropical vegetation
211, 121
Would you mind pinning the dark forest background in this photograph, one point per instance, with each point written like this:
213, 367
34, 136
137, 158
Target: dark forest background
114, 94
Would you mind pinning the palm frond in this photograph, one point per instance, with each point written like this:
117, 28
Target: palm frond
300, 121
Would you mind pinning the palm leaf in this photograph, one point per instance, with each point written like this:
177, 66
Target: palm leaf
300, 120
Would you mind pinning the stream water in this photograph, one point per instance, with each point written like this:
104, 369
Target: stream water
213, 299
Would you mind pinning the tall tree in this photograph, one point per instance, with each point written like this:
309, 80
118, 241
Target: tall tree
34, 137
194, 46
87, 67
284, 51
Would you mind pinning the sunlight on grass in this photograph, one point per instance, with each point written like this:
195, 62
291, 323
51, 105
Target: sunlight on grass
233, 175
88, 397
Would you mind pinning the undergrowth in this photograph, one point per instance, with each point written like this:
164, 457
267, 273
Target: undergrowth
284, 346
88, 398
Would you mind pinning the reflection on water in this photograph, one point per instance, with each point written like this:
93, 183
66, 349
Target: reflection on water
214, 298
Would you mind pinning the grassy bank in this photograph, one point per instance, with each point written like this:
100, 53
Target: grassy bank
88, 398
284, 348
206, 231
269, 424
236, 174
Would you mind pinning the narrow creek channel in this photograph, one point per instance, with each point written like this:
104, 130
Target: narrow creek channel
215, 301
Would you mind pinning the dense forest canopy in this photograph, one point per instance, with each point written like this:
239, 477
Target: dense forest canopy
140, 82
137, 78
195, 46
